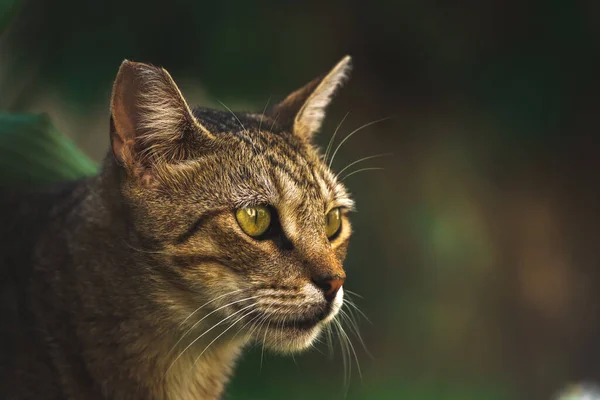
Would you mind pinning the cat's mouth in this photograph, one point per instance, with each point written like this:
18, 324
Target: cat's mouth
302, 323
290, 324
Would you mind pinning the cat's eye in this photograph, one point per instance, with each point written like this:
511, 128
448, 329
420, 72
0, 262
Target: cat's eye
333, 222
254, 220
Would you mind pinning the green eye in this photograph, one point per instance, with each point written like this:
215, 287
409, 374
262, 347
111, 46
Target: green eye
254, 220
333, 222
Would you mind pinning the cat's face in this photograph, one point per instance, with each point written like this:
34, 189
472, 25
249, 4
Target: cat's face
248, 220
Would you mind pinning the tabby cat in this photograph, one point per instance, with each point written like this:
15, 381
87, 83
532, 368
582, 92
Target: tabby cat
205, 231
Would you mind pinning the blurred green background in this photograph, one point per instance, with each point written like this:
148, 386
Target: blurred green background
476, 249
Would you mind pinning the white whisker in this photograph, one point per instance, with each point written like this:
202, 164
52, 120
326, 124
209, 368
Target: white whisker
262, 116
333, 138
360, 170
351, 134
329, 340
222, 333
346, 291
235, 116
353, 351
205, 332
343, 347
245, 325
206, 316
361, 160
207, 303
261, 320
274, 121
354, 327
351, 304
262, 352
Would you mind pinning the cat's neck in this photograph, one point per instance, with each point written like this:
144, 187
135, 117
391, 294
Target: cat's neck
204, 377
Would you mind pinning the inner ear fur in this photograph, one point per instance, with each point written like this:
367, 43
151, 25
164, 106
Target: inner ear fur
150, 119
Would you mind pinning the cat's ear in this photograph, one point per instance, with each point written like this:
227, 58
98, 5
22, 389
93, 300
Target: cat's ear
150, 119
303, 111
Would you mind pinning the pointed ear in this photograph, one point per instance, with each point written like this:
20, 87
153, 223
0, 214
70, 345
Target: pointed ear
150, 119
303, 111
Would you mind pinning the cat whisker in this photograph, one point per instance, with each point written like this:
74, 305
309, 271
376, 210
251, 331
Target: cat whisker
274, 121
245, 325
209, 314
361, 170
235, 116
256, 151
343, 347
351, 304
347, 353
331, 140
205, 332
207, 303
262, 352
225, 331
258, 326
282, 325
353, 350
346, 291
329, 340
203, 318
220, 308
344, 340
352, 133
314, 347
350, 318
262, 116
361, 160
261, 320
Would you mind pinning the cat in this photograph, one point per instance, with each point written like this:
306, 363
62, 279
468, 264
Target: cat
204, 231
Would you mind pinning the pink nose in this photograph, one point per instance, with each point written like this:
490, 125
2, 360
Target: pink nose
330, 286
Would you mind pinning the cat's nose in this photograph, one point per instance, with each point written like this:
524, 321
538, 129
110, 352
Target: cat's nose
329, 285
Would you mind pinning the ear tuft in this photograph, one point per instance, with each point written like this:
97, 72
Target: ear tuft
150, 119
303, 111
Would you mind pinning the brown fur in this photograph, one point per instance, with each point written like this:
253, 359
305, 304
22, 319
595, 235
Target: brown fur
102, 279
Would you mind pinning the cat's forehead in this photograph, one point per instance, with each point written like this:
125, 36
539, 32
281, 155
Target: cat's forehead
291, 181
277, 174
257, 162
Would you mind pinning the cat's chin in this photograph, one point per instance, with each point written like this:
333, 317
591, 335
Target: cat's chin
290, 339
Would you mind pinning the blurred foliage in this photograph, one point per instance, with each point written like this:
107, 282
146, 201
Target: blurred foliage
33, 152
475, 250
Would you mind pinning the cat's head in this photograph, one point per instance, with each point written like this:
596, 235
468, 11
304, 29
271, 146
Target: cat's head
236, 212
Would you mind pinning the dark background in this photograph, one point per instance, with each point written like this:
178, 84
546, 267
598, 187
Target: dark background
476, 249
